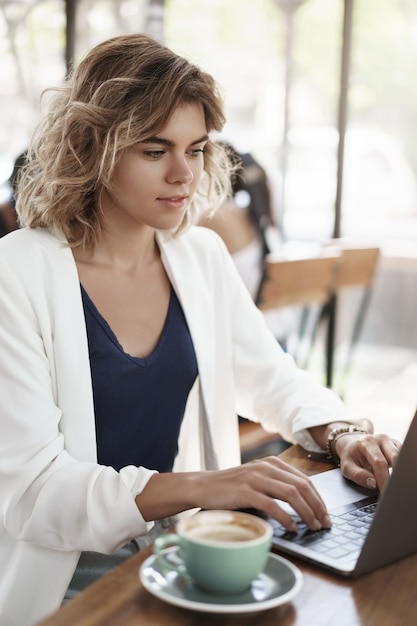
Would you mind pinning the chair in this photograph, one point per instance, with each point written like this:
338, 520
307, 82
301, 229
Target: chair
357, 267
356, 270
301, 282
297, 282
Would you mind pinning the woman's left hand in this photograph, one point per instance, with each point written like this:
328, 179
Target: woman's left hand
367, 459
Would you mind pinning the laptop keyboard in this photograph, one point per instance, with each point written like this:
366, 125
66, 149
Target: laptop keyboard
344, 538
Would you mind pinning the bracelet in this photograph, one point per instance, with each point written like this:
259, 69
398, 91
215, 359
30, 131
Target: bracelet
334, 434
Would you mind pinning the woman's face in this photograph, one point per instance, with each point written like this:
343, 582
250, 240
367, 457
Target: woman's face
155, 180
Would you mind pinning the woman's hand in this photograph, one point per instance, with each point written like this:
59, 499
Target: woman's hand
367, 459
258, 484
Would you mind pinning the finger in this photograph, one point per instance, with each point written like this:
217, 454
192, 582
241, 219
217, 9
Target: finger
381, 455
301, 495
276, 462
359, 475
369, 460
287, 516
260, 483
391, 449
272, 508
307, 502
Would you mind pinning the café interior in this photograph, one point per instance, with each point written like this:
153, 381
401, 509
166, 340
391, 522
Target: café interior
321, 94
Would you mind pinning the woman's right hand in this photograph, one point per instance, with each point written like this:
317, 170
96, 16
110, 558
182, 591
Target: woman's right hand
258, 484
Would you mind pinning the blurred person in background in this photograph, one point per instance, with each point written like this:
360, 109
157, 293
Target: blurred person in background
246, 224
8, 216
245, 221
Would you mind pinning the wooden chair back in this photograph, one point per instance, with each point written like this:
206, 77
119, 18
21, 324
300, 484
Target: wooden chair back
297, 282
357, 267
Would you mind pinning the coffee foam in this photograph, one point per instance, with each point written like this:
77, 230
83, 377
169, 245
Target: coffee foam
223, 532
224, 527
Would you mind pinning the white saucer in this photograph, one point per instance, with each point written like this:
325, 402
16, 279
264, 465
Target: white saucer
278, 583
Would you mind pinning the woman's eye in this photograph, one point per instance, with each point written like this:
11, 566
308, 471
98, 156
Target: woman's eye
197, 151
154, 154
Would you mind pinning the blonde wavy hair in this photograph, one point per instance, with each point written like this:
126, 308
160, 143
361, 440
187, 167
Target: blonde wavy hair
123, 92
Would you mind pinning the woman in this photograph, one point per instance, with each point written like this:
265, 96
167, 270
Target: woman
128, 340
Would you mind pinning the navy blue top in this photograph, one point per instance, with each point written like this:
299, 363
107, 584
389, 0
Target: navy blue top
139, 403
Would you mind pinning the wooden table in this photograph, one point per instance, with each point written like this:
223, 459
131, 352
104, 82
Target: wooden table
386, 597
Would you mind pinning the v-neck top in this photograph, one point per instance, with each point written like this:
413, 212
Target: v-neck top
139, 403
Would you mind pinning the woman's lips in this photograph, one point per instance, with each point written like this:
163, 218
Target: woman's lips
174, 201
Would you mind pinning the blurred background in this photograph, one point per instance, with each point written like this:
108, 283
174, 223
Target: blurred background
320, 92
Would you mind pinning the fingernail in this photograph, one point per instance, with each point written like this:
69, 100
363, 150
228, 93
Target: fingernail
293, 527
327, 522
371, 483
316, 525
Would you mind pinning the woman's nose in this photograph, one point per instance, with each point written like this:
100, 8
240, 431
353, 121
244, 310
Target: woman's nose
180, 171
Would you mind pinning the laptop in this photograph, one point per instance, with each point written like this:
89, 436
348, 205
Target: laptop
369, 530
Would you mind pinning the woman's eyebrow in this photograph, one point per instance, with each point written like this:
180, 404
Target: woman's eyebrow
167, 142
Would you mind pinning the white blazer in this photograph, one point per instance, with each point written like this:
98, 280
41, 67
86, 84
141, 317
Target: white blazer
55, 499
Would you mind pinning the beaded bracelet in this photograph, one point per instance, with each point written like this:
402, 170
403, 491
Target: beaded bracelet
331, 453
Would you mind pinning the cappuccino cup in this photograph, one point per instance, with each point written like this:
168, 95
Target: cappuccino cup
219, 551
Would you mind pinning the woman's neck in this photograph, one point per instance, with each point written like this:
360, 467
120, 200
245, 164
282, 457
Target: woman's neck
127, 252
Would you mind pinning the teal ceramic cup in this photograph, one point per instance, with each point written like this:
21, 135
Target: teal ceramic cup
219, 551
